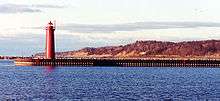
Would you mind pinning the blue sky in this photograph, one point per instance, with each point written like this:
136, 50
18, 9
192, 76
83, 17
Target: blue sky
95, 23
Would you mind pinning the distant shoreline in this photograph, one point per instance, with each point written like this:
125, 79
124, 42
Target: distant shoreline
208, 49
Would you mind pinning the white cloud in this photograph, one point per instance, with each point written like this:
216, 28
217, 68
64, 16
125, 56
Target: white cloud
22, 8
126, 27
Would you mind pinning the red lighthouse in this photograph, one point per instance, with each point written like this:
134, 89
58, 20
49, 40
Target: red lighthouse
50, 46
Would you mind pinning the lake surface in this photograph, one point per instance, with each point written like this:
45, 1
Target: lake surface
107, 83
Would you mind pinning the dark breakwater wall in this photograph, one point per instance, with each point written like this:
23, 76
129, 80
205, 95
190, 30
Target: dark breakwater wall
120, 62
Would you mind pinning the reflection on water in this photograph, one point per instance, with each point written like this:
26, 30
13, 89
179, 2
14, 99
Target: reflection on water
109, 83
49, 69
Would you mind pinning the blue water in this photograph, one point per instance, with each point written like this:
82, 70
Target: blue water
107, 83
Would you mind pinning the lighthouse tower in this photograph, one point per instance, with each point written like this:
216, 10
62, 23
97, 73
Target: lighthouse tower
50, 46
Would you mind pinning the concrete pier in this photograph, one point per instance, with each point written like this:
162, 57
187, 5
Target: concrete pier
119, 62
